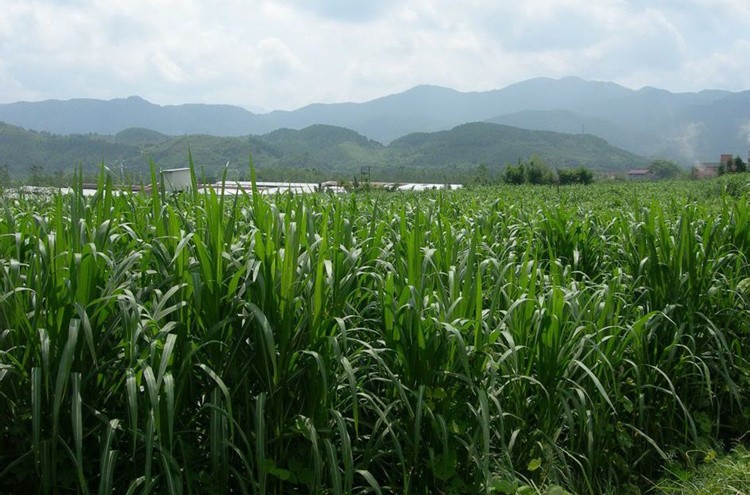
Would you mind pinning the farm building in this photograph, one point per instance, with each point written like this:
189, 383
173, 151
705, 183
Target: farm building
640, 174
706, 171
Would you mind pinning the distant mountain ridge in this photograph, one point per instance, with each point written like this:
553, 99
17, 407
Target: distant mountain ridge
687, 127
85, 115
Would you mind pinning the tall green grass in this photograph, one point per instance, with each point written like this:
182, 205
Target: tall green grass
445, 342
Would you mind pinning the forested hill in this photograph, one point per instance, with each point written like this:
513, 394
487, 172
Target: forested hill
317, 152
495, 144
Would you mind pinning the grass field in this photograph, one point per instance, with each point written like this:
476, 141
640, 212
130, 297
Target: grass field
491, 340
728, 474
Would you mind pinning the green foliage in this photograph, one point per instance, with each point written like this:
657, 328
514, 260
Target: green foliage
316, 153
733, 185
739, 165
492, 340
36, 175
733, 166
139, 137
535, 171
665, 169
5, 180
726, 474
481, 176
580, 175
496, 145
515, 174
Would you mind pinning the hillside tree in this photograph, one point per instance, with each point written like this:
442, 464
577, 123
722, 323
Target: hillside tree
4, 177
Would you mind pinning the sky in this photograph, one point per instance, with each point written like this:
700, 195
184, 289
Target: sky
266, 55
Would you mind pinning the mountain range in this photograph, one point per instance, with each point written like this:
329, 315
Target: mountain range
315, 153
685, 127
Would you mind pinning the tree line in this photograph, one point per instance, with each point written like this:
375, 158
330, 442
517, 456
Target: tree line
536, 171
734, 165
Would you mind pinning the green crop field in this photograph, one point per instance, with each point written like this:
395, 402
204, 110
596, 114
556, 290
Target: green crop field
492, 340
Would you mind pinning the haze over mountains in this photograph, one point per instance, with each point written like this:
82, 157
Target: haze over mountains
686, 127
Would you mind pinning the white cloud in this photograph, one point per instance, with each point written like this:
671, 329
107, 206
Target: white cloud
728, 67
284, 54
346, 10
275, 59
167, 67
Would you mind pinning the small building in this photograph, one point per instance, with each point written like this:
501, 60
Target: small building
711, 170
640, 174
177, 179
706, 171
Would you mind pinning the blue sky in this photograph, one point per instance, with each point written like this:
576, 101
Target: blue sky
286, 54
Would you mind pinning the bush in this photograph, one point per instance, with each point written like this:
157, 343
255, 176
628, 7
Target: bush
537, 172
515, 174
534, 171
665, 169
580, 175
